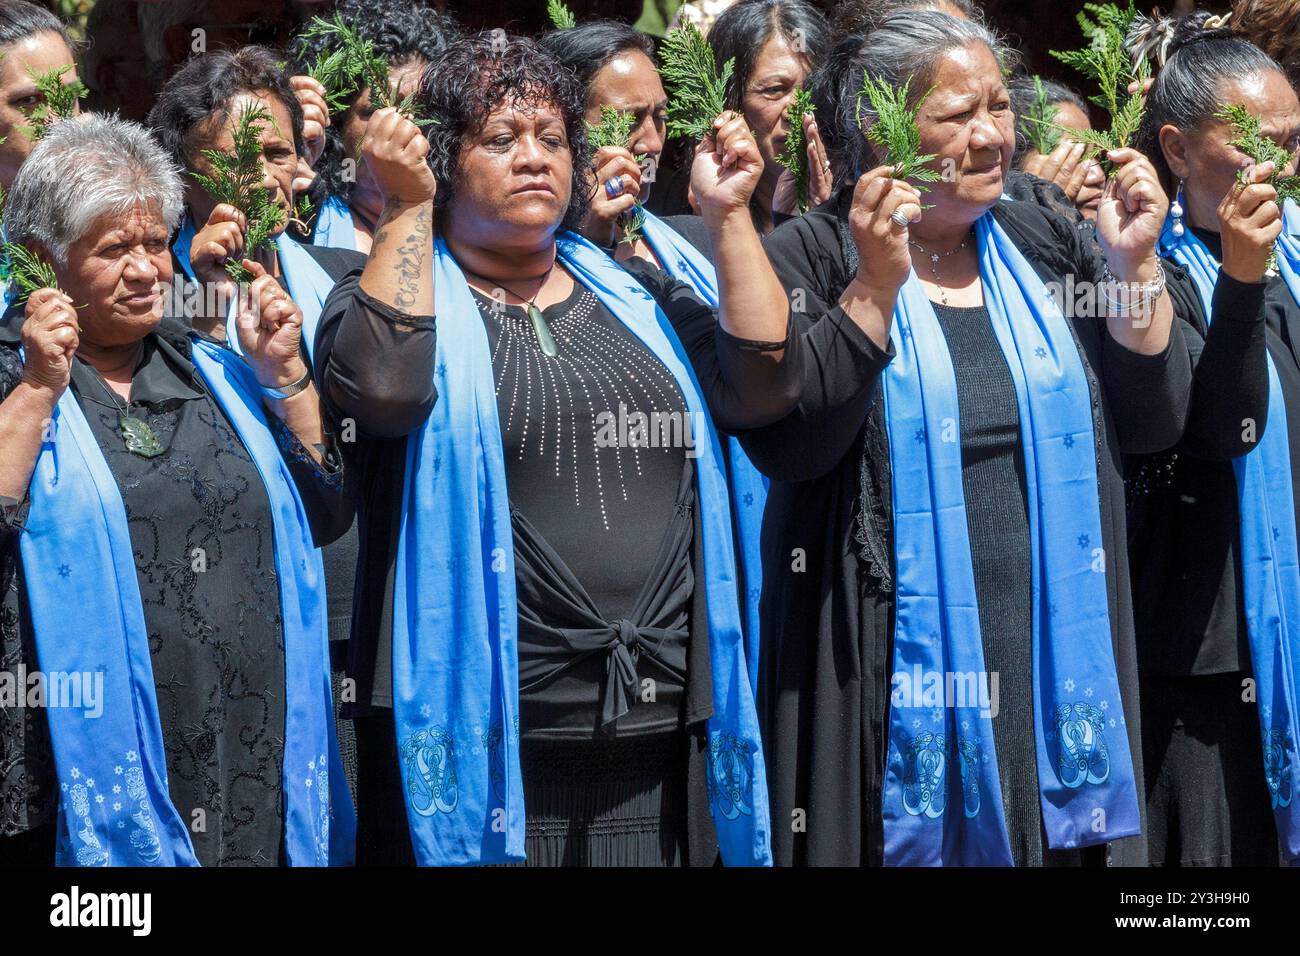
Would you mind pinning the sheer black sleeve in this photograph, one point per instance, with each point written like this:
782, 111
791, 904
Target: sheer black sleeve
839, 368
741, 383
374, 364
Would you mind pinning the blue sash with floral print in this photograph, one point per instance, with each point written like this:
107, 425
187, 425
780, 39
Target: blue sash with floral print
1270, 570
683, 262
942, 793
115, 808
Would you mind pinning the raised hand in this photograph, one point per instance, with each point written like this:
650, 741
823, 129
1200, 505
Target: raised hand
315, 114
1064, 166
50, 340
1130, 216
395, 152
884, 261
601, 225
221, 237
1250, 220
269, 324
727, 167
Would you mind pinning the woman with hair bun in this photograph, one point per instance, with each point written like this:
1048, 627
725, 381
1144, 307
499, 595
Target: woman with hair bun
1216, 589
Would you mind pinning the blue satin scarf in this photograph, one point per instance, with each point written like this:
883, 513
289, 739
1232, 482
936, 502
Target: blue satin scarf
114, 807
1270, 570
683, 262
455, 659
334, 225
309, 284
942, 793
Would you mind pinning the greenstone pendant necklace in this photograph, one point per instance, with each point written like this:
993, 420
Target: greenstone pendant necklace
545, 341
137, 436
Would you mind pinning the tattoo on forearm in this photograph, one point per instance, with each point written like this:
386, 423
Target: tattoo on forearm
413, 252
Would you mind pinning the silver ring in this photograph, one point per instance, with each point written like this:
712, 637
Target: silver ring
899, 219
614, 187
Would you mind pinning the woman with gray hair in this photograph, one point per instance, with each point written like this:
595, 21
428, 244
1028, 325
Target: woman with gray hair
174, 498
948, 672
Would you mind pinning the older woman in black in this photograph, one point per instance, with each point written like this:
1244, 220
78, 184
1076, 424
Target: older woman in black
1208, 797
98, 198
832, 576
606, 540
196, 111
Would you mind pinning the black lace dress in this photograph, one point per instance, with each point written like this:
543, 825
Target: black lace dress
201, 531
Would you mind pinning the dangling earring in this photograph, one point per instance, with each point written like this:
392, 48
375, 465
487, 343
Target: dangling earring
1176, 210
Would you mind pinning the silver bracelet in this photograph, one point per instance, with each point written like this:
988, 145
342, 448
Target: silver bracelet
288, 391
1143, 295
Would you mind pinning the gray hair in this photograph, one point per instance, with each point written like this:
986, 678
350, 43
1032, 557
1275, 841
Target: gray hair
84, 169
906, 46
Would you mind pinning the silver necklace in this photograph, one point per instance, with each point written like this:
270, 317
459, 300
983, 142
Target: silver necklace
934, 258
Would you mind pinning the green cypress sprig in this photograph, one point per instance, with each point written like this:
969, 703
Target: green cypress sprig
1106, 60
697, 89
22, 267
562, 17
237, 180
1039, 123
58, 100
615, 129
349, 64
895, 130
795, 155
1250, 139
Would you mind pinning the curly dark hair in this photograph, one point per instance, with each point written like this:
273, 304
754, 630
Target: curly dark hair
398, 30
478, 74
204, 88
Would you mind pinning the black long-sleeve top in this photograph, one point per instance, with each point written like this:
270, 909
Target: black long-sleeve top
1184, 522
828, 588
202, 536
377, 369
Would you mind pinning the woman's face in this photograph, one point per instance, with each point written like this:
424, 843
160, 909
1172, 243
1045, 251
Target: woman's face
38, 54
967, 123
117, 276
1204, 159
279, 157
630, 83
1071, 117
352, 128
778, 71
514, 179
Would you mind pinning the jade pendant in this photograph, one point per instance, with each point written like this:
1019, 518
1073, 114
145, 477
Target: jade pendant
139, 437
545, 341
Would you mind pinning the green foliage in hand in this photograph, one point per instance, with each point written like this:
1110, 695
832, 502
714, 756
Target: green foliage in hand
350, 64
697, 91
795, 155
1106, 61
237, 180
1250, 139
615, 129
895, 130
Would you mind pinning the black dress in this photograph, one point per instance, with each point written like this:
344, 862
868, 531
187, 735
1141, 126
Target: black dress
828, 587
1207, 801
215, 633
613, 648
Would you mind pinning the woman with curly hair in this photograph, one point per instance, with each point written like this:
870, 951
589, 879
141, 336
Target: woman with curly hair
343, 195
547, 614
